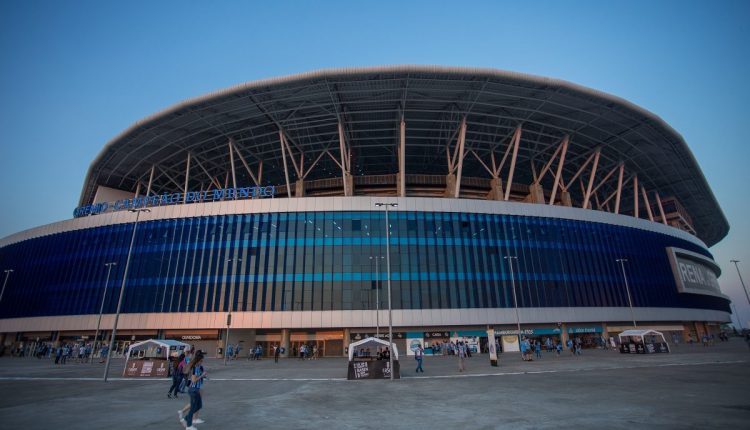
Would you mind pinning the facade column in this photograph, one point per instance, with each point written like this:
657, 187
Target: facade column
299, 188
285, 342
564, 334
496, 189
536, 194
565, 199
450, 185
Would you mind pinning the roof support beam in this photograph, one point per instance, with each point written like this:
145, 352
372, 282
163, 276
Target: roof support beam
648, 205
231, 163
461, 144
619, 188
150, 181
244, 163
607, 176
661, 209
558, 174
564, 186
187, 178
538, 178
137, 188
516, 141
286, 170
344, 161
402, 159
218, 185
636, 212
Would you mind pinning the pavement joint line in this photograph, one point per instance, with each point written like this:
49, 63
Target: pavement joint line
466, 375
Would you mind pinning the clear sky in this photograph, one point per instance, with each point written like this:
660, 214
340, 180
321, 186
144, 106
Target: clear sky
74, 74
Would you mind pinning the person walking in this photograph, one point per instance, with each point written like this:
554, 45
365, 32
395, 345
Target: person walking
419, 356
197, 375
461, 353
103, 353
538, 349
176, 377
276, 353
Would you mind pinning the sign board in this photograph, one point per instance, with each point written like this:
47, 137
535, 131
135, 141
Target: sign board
383, 335
375, 369
644, 348
527, 331
694, 273
146, 369
582, 330
176, 198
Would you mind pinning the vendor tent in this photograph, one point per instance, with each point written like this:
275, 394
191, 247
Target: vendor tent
157, 348
652, 340
373, 344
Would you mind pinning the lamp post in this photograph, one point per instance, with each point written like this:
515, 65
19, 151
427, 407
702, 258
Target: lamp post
738, 274
101, 309
122, 289
388, 274
622, 262
377, 294
510, 259
5, 282
229, 315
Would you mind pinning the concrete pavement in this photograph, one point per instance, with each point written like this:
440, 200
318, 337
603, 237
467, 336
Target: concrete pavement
694, 387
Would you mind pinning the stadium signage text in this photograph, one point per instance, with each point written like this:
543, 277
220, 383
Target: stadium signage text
176, 198
694, 273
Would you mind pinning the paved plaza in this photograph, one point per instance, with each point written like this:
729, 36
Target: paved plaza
694, 387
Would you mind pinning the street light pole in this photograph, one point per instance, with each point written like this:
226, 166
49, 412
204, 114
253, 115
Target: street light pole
738, 274
377, 295
388, 273
5, 282
510, 259
101, 310
229, 315
622, 262
122, 290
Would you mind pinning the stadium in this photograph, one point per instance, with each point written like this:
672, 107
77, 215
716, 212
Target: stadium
258, 214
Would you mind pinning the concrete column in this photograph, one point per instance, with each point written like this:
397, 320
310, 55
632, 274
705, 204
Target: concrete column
398, 183
299, 188
285, 342
349, 183
564, 334
565, 199
496, 189
450, 185
536, 194
347, 336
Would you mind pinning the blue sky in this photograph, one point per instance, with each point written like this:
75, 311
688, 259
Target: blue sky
75, 74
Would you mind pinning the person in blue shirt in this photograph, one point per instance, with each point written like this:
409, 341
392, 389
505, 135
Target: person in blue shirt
538, 349
197, 376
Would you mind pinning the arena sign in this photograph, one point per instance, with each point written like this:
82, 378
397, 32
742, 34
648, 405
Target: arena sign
694, 273
176, 198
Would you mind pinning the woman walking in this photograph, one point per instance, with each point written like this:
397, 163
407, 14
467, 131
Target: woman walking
197, 374
176, 377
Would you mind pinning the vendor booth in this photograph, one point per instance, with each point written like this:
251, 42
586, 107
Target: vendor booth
642, 342
368, 361
150, 358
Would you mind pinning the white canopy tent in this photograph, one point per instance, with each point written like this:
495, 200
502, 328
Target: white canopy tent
374, 344
643, 336
156, 348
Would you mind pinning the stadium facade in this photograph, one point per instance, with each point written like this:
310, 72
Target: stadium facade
519, 199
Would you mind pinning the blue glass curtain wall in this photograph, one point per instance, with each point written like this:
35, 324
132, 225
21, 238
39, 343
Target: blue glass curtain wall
322, 261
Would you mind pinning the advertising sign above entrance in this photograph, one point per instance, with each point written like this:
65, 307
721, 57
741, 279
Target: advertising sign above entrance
176, 198
694, 273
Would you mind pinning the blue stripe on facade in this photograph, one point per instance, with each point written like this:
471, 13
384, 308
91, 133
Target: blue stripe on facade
320, 261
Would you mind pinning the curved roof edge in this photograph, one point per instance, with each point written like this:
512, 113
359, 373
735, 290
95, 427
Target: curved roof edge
412, 68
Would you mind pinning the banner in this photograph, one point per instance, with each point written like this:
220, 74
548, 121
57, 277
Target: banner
375, 369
